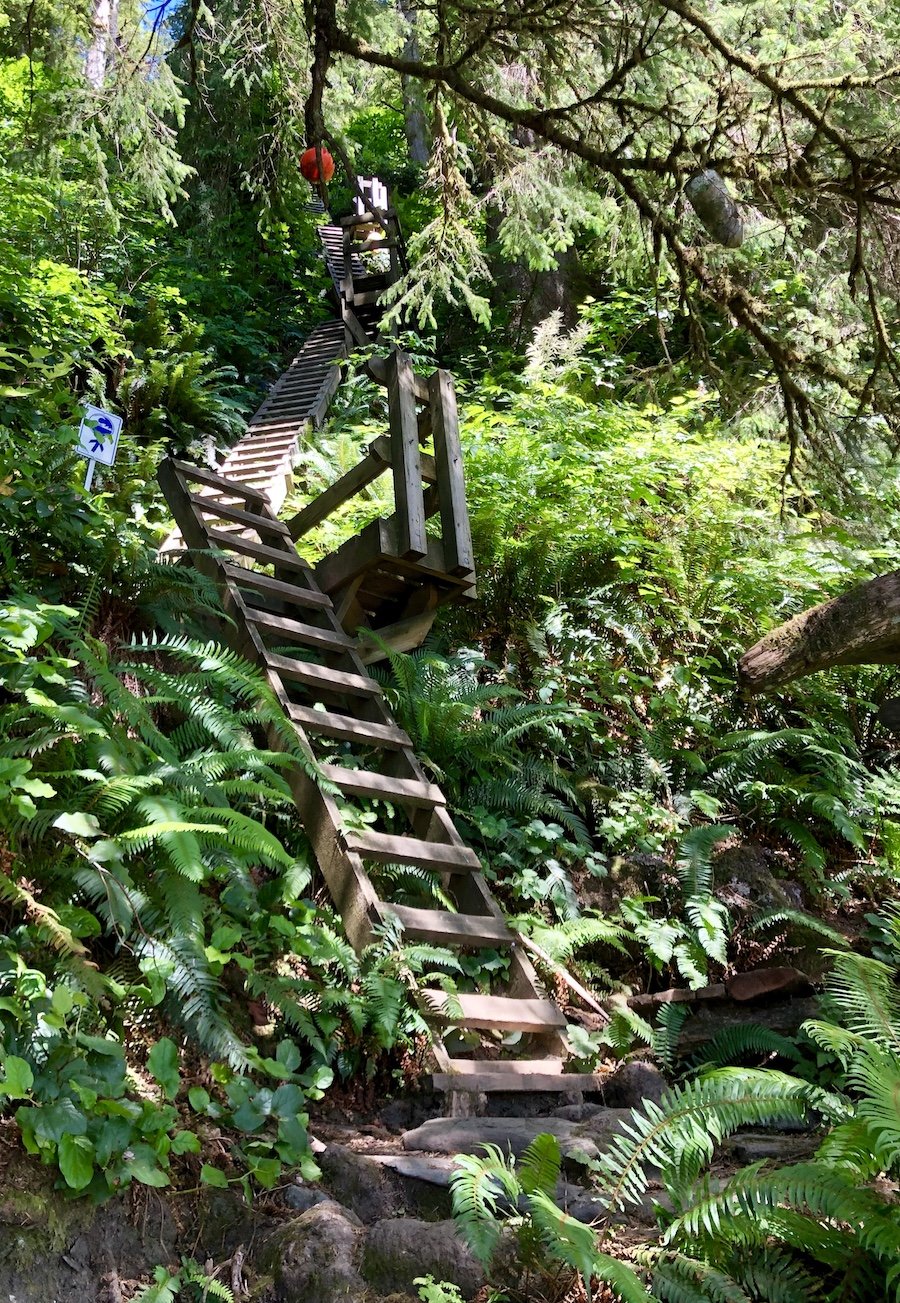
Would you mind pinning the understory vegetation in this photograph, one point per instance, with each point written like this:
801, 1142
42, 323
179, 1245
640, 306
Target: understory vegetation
670, 448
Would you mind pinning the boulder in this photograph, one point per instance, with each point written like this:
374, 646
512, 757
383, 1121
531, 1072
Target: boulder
510, 1135
632, 1083
360, 1184
402, 1248
315, 1257
303, 1197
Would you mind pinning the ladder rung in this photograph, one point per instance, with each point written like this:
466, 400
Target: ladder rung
297, 631
265, 584
509, 1068
442, 856
442, 927
535, 1076
261, 523
403, 791
345, 729
259, 551
323, 678
502, 1013
236, 489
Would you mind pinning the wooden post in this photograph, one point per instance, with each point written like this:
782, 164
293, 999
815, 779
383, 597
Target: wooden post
405, 459
457, 536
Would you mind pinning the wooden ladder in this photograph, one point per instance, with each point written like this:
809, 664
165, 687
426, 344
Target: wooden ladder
300, 397
343, 723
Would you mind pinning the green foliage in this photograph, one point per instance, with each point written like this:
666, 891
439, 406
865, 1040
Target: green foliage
152, 846
488, 1194
190, 1284
819, 1228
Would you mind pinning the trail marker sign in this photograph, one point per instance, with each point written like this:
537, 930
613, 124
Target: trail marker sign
98, 439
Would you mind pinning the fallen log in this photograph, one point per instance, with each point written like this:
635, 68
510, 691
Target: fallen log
861, 627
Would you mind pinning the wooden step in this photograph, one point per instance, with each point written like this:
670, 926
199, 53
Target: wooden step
500, 1013
259, 551
383, 846
245, 455
329, 723
531, 1074
322, 678
308, 597
297, 631
384, 787
234, 488
444, 928
262, 524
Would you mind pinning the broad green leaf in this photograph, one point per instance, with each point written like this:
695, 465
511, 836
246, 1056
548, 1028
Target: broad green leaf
17, 1077
78, 824
185, 1142
212, 1176
76, 1161
162, 1064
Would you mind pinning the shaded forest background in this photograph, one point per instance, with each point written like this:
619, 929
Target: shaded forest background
670, 448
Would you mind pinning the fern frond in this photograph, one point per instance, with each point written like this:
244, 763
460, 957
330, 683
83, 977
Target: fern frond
679, 1134
539, 1166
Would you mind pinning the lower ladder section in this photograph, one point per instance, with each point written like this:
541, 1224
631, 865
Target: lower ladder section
375, 871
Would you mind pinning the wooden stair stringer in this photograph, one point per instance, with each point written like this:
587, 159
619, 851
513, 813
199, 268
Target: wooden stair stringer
433, 837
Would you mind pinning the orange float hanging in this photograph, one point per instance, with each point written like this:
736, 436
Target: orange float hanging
309, 165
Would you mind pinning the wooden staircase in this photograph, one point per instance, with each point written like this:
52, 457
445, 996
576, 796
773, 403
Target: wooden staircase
285, 623
299, 625
299, 400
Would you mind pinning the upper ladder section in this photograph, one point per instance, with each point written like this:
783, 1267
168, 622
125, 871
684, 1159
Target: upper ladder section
364, 256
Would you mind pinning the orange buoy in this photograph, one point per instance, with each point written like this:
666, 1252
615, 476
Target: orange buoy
309, 165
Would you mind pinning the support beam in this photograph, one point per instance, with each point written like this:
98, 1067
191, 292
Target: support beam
405, 458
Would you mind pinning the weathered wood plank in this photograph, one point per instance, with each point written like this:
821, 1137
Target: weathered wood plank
258, 551
411, 850
323, 679
405, 459
385, 787
494, 1012
377, 368
487, 1080
443, 928
308, 597
236, 488
296, 631
344, 728
457, 535
262, 524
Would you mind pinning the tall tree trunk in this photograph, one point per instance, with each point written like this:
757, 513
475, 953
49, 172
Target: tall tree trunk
415, 120
104, 30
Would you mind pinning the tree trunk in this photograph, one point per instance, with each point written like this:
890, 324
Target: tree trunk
861, 627
415, 120
104, 24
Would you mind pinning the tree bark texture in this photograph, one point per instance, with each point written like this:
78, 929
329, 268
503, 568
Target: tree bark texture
415, 120
861, 627
104, 24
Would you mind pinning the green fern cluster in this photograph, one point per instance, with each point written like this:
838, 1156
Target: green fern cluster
825, 1228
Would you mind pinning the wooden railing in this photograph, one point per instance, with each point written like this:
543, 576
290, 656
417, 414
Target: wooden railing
424, 485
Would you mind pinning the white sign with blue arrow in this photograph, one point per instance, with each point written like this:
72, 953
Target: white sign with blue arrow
98, 438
